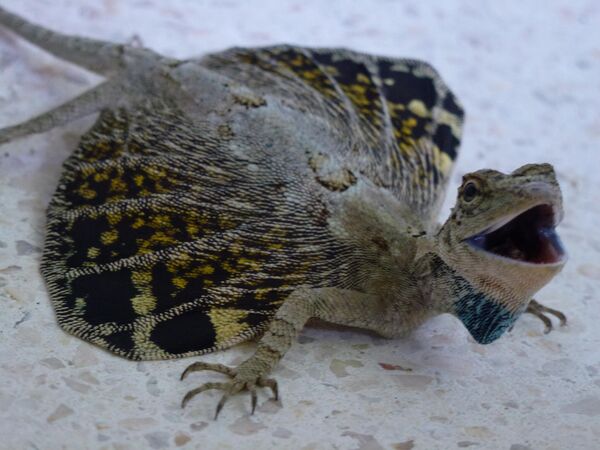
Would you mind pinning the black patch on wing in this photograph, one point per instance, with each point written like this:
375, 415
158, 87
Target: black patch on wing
403, 86
120, 342
184, 333
106, 298
446, 141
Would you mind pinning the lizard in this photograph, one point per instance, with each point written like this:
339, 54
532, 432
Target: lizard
238, 195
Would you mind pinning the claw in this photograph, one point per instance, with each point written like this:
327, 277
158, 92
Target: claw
560, 316
205, 387
198, 366
241, 381
221, 404
547, 322
254, 399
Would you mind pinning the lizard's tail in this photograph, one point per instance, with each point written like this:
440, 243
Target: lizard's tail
98, 56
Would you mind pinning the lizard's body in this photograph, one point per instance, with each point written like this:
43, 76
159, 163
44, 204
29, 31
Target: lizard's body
251, 190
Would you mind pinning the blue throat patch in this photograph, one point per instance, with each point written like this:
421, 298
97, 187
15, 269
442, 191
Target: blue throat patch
485, 318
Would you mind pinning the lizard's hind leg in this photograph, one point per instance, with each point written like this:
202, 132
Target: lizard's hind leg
102, 57
107, 94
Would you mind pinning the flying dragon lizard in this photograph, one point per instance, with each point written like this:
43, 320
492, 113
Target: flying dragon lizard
238, 195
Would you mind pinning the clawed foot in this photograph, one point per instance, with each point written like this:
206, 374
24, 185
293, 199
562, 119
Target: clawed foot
541, 311
240, 381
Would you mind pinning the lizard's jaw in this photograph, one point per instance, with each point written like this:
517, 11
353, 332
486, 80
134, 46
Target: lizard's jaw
528, 237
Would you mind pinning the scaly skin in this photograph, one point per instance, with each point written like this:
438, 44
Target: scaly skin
249, 191
450, 277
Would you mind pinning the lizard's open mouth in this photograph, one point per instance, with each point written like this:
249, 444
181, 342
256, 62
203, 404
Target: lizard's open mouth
529, 237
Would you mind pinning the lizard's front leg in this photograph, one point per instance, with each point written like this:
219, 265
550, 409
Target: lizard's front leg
541, 312
335, 305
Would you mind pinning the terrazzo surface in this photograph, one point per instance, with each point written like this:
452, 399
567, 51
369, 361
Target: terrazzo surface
529, 78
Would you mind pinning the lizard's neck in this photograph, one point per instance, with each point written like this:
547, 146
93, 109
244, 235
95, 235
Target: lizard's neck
482, 314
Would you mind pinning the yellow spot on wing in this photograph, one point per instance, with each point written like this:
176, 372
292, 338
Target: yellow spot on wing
109, 237
141, 277
227, 322
442, 160
309, 75
453, 121
79, 304
207, 270
298, 61
418, 108
86, 192
410, 122
362, 78
101, 176
249, 263
395, 107
118, 185
179, 282
331, 70
143, 304
114, 217
192, 229
138, 223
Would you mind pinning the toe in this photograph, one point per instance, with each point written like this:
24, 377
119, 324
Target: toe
547, 323
221, 404
253, 399
205, 387
198, 366
272, 384
559, 315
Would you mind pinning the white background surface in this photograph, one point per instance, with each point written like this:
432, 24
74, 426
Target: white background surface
528, 74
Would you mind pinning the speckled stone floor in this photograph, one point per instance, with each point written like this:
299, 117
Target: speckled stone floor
528, 76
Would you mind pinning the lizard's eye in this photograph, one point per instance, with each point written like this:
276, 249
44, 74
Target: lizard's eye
470, 191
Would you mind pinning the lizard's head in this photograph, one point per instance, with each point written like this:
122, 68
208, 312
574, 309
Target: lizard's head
501, 238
